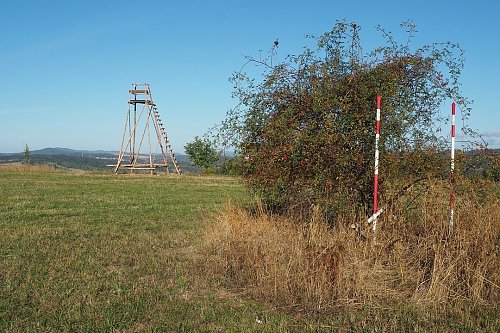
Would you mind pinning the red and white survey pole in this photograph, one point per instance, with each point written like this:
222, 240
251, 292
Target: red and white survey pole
452, 165
376, 212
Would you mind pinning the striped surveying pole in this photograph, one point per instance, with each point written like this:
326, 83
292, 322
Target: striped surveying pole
376, 212
452, 165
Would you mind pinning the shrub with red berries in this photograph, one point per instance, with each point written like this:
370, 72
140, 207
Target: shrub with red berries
306, 126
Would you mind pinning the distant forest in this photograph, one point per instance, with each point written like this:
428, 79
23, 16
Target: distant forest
83, 160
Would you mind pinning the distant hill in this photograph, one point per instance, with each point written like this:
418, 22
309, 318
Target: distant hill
73, 152
92, 160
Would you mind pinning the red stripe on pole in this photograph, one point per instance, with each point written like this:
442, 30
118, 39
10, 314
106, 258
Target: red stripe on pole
452, 166
379, 99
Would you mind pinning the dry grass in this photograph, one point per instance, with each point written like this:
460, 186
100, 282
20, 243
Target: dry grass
415, 260
19, 167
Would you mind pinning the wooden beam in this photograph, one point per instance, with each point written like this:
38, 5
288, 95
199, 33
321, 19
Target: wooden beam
141, 101
139, 91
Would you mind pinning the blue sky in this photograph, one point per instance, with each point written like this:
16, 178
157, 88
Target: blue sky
66, 66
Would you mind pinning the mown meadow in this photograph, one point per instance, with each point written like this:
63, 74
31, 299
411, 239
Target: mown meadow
92, 252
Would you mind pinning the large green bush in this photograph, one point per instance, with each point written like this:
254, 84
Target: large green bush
305, 126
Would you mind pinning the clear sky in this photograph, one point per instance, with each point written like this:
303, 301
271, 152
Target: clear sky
66, 66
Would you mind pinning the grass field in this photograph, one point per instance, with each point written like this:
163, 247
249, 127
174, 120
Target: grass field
95, 252
98, 252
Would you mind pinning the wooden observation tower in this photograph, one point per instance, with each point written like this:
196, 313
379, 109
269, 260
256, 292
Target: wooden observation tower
145, 146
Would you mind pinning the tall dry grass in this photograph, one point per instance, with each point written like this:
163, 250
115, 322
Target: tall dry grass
415, 259
19, 167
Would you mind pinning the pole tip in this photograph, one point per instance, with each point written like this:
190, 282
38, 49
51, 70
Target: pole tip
453, 105
379, 99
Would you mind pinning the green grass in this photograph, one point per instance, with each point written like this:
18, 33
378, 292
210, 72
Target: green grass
99, 252
95, 252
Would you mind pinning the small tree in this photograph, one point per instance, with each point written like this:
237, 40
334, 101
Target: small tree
201, 153
27, 154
